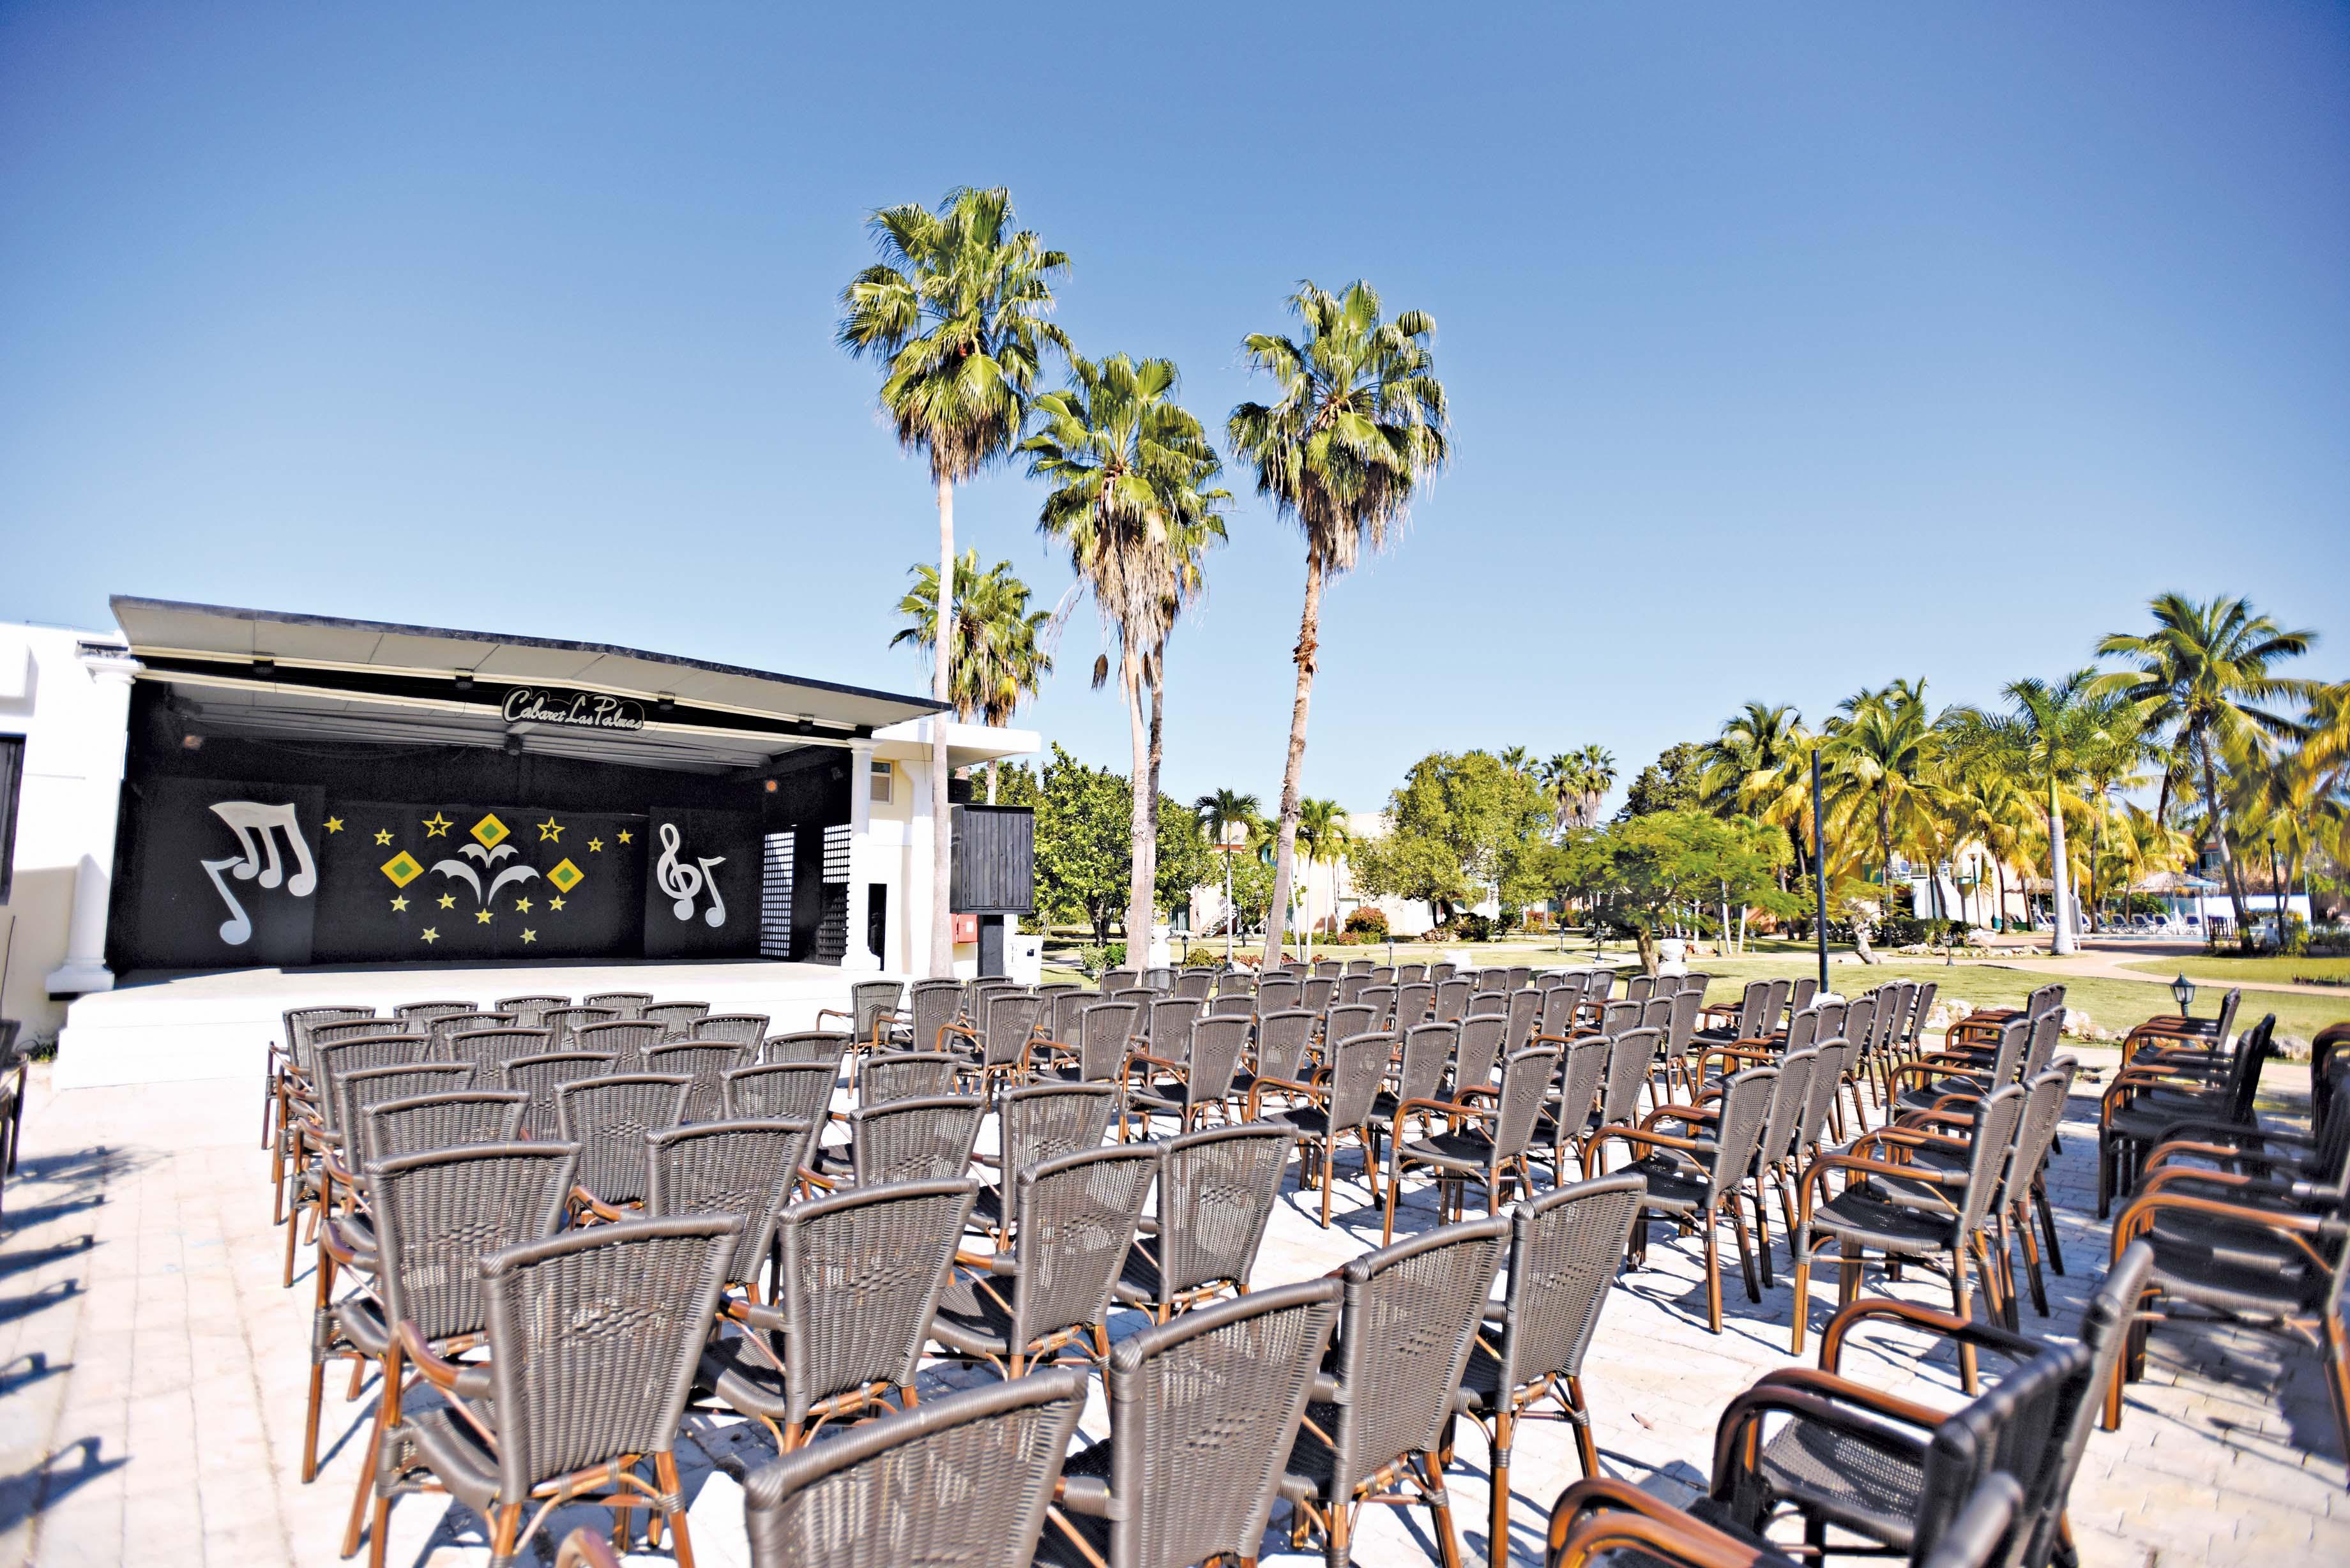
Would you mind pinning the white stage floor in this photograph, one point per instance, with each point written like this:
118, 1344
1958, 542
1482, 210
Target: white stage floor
166, 1029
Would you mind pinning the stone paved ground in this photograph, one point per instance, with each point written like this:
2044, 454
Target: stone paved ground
151, 1379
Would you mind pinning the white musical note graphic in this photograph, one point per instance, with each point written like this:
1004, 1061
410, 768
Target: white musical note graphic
257, 828
684, 884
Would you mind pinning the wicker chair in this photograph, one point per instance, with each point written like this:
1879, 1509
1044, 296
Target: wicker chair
805, 1047
1338, 1101
594, 1337
962, 1481
626, 1005
1216, 1195
1899, 1223
315, 1134
997, 1050
1037, 1123
2142, 1103
1570, 1112
1566, 1246
562, 1022
1089, 1046
449, 1026
1075, 1219
674, 1017
1202, 1412
292, 1060
872, 1004
489, 1050
422, 1013
1187, 1088
395, 1127
885, 1077
748, 1030
744, 1169
609, 1119
2021, 1187
434, 1213
925, 1139
1195, 983
540, 1076
779, 1091
1476, 1052
1343, 1021
1693, 1181
621, 1041
361, 1091
1117, 980
707, 1063
915, 1025
1409, 1317
529, 1010
858, 1277
1491, 1156
1283, 1040
1315, 993
1413, 999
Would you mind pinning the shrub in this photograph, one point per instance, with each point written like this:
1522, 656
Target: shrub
1471, 927
1369, 921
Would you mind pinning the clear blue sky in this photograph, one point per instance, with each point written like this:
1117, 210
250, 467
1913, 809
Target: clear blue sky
1790, 349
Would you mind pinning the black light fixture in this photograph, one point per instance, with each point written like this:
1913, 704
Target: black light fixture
264, 666
664, 703
2184, 990
513, 745
465, 683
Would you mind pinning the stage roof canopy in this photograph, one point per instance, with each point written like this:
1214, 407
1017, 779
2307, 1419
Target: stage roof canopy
271, 672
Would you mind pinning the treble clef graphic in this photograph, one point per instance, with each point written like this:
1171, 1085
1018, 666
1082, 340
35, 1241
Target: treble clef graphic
684, 883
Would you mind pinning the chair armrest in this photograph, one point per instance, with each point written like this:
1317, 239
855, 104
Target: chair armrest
1912, 1120
467, 1380
1257, 1089
340, 1248
1447, 1108
1597, 1520
1174, 1068
998, 1263
1983, 1335
756, 1315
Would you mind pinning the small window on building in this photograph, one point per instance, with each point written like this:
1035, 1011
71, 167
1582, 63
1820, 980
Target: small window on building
882, 775
12, 778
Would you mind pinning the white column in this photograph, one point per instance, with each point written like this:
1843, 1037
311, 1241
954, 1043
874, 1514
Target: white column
84, 968
860, 837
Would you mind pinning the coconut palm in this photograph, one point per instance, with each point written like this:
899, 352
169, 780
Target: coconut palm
2047, 732
1986, 805
1322, 838
1760, 765
1188, 540
1357, 424
1882, 751
956, 310
1578, 780
1000, 659
1219, 813
1129, 471
2203, 678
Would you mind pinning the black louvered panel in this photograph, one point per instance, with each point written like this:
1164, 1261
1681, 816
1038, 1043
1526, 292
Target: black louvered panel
775, 897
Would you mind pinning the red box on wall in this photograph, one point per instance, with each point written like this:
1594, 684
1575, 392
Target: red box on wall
966, 927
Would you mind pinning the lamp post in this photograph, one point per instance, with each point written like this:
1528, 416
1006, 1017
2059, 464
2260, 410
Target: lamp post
2184, 990
1819, 875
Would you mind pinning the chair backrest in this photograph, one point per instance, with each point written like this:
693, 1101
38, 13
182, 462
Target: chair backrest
1582, 1069
2044, 1095
626, 1005
394, 1127
1453, 997
1117, 980
675, 1017
1048, 1119
1859, 1020
2014, 1037
335, 1031
744, 1169
1346, 1019
1832, 1016
449, 1026
1410, 1313
934, 1005
1558, 1005
1078, 1215
1496, 1003
2013, 1430
1615, 1017
620, 1040
1803, 1029
594, 1338
804, 1047
859, 1278
539, 1076
1203, 1413
1640, 988
2041, 1049
1236, 982
1382, 974
1169, 1024
609, 1119
2105, 1331
863, 1499
330, 1059
562, 1022
1412, 1000
528, 1010
870, 1001
729, 1028
1381, 998
1524, 1012
1477, 1048
1783, 1128
1427, 1051
1630, 1055
1011, 1021
1103, 1030
2253, 1053
300, 1022
1526, 1080
1276, 994
1228, 1004
1360, 966
1745, 1107
1805, 991
1680, 1023
1315, 991
1520, 976
371, 1086
1216, 1195
1657, 1013
1751, 1004
1921, 1003
423, 1014
437, 1212
489, 1050
1837, 1055
2227, 1019
2045, 999
926, 1139
891, 1075
1281, 1042
778, 1091
1159, 976
1566, 1246
1213, 1058
1352, 986
707, 1063
1996, 1121
1195, 982
1357, 1063
1443, 972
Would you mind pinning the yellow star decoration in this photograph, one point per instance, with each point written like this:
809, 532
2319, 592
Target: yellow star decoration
431, 935
482, 918
528, 935
625, 837
383, 835
437, 825
400, 903
521, 906
595, 846
448, 900
548, 829
334, 824
556, 902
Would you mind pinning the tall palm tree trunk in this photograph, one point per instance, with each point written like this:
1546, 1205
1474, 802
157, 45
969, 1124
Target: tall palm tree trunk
1137, 887
2060, 874
2220, 832
941, 689
1309, 626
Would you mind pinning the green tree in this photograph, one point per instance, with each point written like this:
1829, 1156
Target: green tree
2204, 677
999, 658
1760, 766
1461, 825
1881, 753
1578, 780
1130, 498
2042, 739
1324, 838
1083, 853
1669, 784
1184, 861
1639, 872
1357, 424
956, 310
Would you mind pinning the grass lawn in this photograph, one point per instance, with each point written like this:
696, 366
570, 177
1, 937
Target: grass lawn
2279, 970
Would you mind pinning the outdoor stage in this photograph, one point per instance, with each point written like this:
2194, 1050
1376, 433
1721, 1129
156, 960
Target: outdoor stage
220, 1023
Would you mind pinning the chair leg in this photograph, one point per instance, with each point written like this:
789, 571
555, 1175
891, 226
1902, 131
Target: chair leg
387, 1412
2031, 1256
1763, 1237
1849, 1257
1329, 1149
1745, 1249
1440, 1510
1387, 1236
1497, 1517
665, 1472
1712, 1275
2048, 1227
1962, 1305
1802, 1251
505, 1531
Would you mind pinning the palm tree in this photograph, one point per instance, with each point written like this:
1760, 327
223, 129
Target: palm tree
956, 310
1578, 780
1517, 759
2045, 735
1130, 470
1187, 540
1882, 747
1219, 813
1000, 659
2203, 675
1324, 838
1986, 806
1357, 425
1761, 765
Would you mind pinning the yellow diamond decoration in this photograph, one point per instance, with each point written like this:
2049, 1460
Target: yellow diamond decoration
565, 876
490, 830
402, 869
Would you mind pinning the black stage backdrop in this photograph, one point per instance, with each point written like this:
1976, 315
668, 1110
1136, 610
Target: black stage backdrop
225, 873
702, 895
464, 883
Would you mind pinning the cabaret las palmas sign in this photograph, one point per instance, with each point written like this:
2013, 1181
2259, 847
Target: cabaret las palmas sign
580, 710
